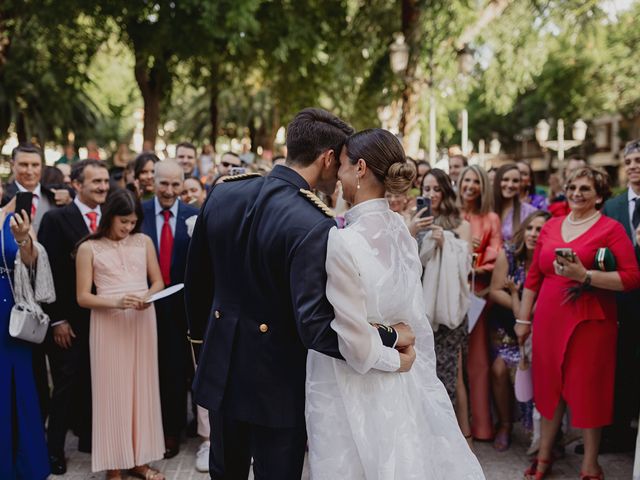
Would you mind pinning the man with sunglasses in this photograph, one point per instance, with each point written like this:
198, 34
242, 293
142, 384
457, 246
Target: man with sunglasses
227, 162
625, 208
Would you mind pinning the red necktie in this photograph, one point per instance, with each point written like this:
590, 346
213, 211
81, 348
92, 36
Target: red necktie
166, 247
33, 206
93, 217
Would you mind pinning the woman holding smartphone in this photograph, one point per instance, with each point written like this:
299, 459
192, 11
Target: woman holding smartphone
574, 341
444, 239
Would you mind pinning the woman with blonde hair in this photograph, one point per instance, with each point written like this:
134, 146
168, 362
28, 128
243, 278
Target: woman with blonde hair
476, 204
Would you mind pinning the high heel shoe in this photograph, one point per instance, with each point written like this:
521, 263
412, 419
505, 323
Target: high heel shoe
532, 473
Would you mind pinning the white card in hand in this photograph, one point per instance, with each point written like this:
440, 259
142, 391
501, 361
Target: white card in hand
165, 293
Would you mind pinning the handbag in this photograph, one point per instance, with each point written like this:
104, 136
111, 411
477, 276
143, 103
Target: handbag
604, 261
523, 384
27, 321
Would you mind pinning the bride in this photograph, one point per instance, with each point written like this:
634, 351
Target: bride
364, 419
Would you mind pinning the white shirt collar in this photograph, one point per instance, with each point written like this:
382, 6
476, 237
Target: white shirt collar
84, 209
631, 195
36, 191
159, 209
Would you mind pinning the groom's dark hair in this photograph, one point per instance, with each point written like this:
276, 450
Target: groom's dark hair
312, 132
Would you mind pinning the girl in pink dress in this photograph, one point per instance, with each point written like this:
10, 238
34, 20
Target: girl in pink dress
121, 263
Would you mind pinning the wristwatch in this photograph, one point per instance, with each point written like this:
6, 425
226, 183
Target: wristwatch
22, 243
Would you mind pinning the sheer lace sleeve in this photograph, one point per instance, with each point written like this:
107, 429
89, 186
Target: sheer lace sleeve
358, 341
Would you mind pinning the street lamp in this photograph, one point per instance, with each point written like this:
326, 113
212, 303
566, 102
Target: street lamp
579, 132
399, 54
465, 67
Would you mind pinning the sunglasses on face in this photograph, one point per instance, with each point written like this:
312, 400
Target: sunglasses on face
583, 189
227, 164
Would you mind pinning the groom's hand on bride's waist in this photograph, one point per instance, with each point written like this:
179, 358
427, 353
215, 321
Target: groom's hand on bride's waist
406, 337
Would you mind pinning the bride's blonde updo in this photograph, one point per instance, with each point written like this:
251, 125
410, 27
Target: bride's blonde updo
384, 156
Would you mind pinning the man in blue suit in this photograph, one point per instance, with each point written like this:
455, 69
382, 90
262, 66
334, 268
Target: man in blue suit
625, 208
255, 298
165, 221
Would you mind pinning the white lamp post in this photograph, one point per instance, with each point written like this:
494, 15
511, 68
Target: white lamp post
579, 132
465, 67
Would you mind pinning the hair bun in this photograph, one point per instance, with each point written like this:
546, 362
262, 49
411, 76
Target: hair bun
400, 177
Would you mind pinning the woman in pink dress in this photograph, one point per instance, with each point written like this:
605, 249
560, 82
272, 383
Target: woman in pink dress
574, 339
121, 263
476, 202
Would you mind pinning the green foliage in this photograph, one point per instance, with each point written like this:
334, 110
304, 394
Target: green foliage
44, 70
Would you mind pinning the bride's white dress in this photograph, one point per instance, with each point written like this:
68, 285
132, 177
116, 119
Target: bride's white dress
365, 421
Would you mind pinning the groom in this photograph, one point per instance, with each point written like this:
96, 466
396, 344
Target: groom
255, 298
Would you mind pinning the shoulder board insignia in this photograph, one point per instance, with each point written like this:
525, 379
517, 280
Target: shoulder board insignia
309, 195
242, 176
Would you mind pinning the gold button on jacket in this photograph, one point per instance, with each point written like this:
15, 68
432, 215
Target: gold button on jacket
264, 327
217, 314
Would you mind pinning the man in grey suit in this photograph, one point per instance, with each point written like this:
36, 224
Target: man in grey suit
26, 163
625, 208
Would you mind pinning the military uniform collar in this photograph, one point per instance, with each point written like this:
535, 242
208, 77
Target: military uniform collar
289, 175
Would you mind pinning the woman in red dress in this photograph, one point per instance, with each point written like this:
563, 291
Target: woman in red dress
474, 190
574, 340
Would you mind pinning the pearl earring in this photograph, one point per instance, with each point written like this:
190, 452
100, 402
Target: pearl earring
358, 182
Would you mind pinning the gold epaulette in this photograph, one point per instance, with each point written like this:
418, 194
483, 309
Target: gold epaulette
309, 195
242, 176
191, 340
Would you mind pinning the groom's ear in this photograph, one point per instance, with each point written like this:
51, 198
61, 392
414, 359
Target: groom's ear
328, 157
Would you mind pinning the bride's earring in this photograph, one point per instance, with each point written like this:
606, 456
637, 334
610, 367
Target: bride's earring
358, 182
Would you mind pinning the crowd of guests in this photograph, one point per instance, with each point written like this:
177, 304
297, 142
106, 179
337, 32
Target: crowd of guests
531, 267
501, 260
113, 235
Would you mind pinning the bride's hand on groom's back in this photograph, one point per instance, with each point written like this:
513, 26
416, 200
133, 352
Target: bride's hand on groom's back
407, 357
406, 337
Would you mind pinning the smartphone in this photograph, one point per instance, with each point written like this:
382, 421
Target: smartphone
237, 171
24, 200
421, 203
566, 253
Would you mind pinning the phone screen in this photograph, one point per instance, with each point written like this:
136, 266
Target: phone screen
421, 203
24, 200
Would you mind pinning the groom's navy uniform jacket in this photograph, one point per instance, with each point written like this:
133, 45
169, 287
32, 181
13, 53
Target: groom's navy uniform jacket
255, 283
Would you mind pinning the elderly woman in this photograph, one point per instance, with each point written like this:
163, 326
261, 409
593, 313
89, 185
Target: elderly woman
574, 341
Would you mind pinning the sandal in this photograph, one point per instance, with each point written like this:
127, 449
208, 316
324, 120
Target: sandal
148, 474
117, 476
585, 476
502, 440
532, 473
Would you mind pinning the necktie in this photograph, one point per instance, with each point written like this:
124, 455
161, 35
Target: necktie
635, 219
93, 224
33, 206
166, 247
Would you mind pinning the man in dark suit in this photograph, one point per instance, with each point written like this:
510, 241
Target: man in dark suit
68, 342
625, 208
256, 283
165, 221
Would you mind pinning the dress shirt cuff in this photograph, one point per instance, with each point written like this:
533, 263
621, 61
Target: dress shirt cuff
59, 322
389, 360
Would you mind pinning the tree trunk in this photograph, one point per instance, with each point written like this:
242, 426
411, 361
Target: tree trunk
21, 128
411, 91
214, 92
154, 83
